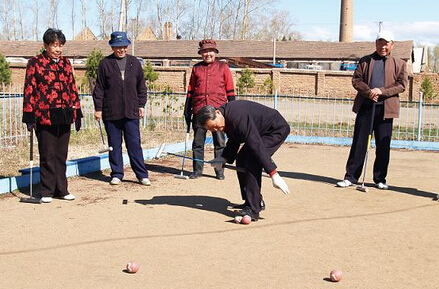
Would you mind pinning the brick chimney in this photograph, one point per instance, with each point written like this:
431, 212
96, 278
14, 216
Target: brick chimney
347, 21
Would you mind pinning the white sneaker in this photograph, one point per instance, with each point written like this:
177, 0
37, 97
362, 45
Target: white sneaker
145, 181
115, 181
68, 197
382, 186
46, 199
344, 184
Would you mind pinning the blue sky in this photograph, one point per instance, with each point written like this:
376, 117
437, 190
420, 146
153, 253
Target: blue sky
416, 20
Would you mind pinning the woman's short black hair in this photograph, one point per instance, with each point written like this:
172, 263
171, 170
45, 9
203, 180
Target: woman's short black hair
205, 114
51, 35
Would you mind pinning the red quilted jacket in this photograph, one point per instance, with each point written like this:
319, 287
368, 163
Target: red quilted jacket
210, 84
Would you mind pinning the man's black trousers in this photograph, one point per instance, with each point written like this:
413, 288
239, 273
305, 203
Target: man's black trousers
382, 129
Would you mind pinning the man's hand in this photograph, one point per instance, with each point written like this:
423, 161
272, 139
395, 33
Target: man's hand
98, 115
375, 94
141, 112
279, 183
30, 126
218, 163
78, 123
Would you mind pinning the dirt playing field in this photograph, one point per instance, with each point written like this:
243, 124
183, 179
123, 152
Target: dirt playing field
182, 236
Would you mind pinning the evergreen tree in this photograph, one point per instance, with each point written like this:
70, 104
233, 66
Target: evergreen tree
92, 63
428, 89
5, 71
150, 75
246, 81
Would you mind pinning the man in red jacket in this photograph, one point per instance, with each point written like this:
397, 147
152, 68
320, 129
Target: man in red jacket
211, 83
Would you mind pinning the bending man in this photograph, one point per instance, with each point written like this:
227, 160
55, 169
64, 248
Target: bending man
262, 130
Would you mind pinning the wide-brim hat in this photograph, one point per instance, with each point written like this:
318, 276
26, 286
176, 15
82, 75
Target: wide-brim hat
118, 39
206, 44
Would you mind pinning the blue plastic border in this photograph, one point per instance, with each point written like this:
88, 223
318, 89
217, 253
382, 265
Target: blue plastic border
100, 162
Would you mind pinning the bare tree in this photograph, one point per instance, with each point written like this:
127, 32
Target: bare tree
5, 19
53, 13
73, 16
84, 16
100, 4
21, 20
36, 9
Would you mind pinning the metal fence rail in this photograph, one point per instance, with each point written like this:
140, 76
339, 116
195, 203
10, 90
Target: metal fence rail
307, 114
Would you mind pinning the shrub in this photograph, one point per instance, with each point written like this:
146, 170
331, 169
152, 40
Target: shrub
246, 81
150, 75
92, 63
5, 71
428, 89
269, 85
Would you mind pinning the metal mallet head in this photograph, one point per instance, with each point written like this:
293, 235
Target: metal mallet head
160, 150
181, 176
105, 150
362, 188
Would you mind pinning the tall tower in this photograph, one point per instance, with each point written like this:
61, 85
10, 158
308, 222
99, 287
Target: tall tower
347, 21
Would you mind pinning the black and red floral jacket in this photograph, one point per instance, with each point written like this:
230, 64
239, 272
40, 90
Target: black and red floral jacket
50, 93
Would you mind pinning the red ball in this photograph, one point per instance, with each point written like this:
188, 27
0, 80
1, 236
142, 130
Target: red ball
246, 220
336, 275
132, 267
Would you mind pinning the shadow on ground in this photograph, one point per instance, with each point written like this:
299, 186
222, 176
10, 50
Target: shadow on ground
205, 203
333, 181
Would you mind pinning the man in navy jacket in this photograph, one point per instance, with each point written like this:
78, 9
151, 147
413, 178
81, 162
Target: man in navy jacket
262, 130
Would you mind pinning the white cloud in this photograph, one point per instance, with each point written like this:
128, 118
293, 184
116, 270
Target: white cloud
319, 33
423, 33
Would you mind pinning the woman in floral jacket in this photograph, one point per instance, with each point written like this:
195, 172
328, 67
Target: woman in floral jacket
50, 105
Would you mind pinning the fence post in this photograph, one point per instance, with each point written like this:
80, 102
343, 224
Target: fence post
420, 116
275, 99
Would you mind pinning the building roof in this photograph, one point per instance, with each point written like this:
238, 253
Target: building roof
188, 49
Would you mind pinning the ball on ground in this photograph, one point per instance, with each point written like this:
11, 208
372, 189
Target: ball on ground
246, 220
336, 275
132, 267
238, 219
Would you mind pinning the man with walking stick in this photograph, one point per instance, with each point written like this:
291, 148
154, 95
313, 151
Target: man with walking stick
378, 79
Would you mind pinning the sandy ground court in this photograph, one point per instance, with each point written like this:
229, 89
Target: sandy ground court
182, 236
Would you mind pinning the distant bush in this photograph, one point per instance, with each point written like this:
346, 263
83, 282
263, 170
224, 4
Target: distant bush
92, 64
428, 89
246, 81
5, 71
150, 75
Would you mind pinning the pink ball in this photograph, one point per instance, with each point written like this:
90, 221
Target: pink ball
132, 267
246, 220
336, 275
238, 219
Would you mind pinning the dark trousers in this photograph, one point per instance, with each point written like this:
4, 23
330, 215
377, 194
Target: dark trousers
382, 129
53, 145
250, 180
129, 128
219, 143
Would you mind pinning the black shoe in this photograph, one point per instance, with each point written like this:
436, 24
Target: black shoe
242, 206
249, 212
220, 175
195, 175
